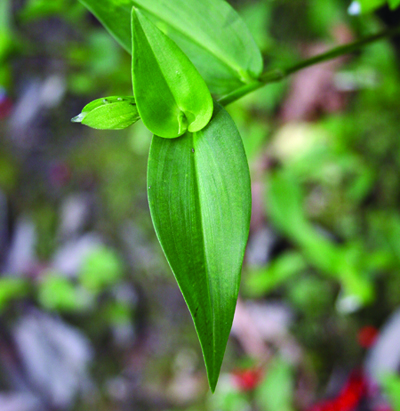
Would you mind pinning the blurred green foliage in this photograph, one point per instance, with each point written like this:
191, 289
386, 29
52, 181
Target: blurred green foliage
391, 387
40, 9
11, 289
101, 269
369, 5
275, 393
57, 293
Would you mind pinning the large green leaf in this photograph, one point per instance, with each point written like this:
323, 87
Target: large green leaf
200, 201
214, 37
210, 32
170, 94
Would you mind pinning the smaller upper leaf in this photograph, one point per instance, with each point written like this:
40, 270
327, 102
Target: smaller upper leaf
171, 96
110, 113
213, 36
210, 33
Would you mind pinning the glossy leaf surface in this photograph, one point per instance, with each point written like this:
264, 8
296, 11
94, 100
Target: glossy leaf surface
200, 201
109, 113
214, 37
210, 32
170, 94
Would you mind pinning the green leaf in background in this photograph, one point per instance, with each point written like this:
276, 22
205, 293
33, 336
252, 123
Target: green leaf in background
275, 393
367, 6
170, 94
58, 293
115, 16
42, 8
213, 36
346, 264
262, 280
102, 268
210, 32
285, 207
370, 5
109, 113
391, 387
6, 40
10, 289
257, 17
200, 203
5, 11
393, 4
311, 295
33, 10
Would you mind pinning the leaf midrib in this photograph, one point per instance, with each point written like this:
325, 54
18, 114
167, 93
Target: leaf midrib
209, 288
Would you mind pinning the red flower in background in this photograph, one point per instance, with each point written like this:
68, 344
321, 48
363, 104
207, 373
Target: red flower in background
247, 380
367, 336
348, 398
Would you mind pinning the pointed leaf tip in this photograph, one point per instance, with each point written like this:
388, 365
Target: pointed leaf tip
78, 118
200, 202
109, 113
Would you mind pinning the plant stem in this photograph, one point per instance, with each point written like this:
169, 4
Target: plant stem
275, 75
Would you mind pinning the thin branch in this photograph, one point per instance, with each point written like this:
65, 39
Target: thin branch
275, 75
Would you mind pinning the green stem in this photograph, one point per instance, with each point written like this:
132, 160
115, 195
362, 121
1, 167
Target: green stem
275, 75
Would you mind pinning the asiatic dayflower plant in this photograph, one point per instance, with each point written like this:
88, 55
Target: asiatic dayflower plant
198, 176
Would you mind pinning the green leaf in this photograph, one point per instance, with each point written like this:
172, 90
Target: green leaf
10, 289
210, 32
6, 35
391, 387
276, 391
101, 269
171, 96
59, 293
393, 4
110, 113
213, 36
263, 280
5, 15
200, 203
36, 9
368, 6
346, 264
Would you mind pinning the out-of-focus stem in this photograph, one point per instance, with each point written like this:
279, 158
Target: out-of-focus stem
275, 75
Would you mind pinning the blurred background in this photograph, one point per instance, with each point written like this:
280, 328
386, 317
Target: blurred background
90, 314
